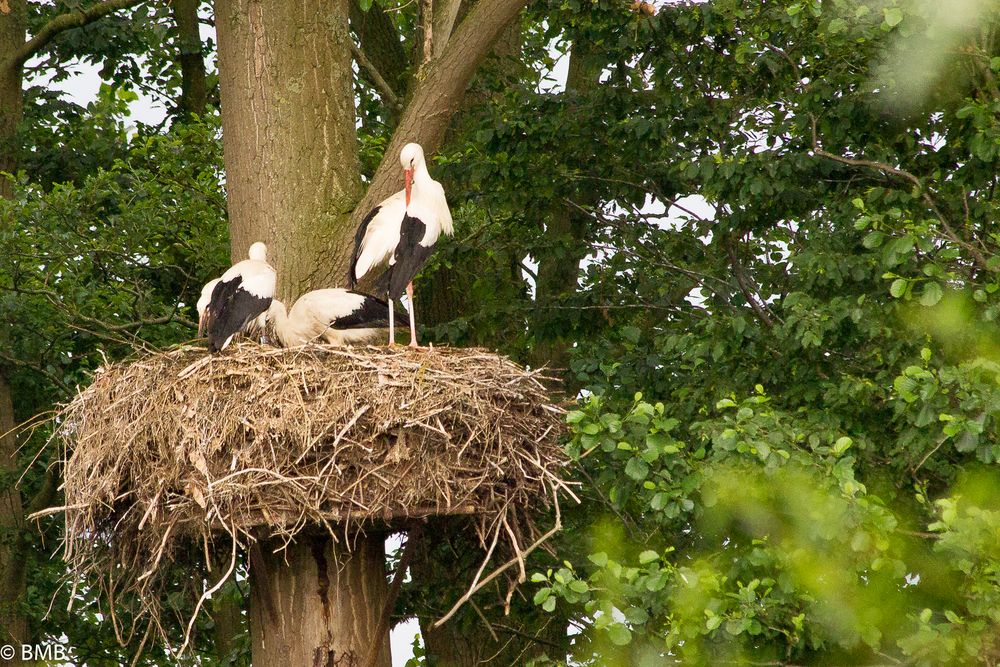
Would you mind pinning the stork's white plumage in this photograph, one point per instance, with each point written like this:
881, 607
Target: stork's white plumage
202, 305
241, 296
401, 233
336, 316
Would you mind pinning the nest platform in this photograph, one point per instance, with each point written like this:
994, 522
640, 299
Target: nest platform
174, 448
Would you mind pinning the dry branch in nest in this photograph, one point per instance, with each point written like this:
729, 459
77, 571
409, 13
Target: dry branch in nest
179, 453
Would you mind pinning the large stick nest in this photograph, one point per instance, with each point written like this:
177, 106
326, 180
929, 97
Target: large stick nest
178, 448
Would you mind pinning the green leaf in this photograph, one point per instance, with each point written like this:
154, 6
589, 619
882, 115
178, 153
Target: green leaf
893, 15
637, 469
842, 445
931, 295
898, 287
600, 559
619, 634
873, 240
648, 556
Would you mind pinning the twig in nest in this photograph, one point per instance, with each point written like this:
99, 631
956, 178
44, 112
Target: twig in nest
207, 594
500, 570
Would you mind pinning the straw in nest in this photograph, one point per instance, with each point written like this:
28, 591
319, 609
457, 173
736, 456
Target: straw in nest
180, 448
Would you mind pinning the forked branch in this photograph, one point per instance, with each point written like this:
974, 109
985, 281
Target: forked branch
439, 93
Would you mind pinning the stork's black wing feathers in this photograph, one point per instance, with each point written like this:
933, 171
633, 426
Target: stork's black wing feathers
232, 308
359, 236
410, 257
373, 314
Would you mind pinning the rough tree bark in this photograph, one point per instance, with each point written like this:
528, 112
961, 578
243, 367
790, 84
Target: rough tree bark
13, 624
289, 141
12, 33
293, 181
445, 12
318, 603
194, 80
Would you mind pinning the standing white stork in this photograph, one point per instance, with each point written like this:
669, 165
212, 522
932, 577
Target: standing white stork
402, 231
337, 316
241, 296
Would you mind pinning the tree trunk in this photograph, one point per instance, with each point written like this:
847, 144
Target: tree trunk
13, 625
318, 603
289, 141
194, 81
12, 33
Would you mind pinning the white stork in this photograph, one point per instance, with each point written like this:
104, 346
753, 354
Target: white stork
337, 316
402, 231
241, 296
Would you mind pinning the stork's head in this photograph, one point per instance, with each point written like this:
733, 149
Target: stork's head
258, 252
411, 158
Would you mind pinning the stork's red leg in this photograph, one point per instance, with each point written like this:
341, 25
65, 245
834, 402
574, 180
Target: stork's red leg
413, 323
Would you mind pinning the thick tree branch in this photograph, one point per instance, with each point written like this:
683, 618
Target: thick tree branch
66, 21
368, 67
46, 494
194, 80
415, 533
445, 13
439, 93
427, 30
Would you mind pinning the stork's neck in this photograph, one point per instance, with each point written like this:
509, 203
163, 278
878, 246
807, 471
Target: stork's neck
420, 173
278, 315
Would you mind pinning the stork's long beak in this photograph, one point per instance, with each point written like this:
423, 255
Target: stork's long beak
408, 174
201, 325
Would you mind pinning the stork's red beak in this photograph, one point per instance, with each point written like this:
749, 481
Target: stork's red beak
408, 174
